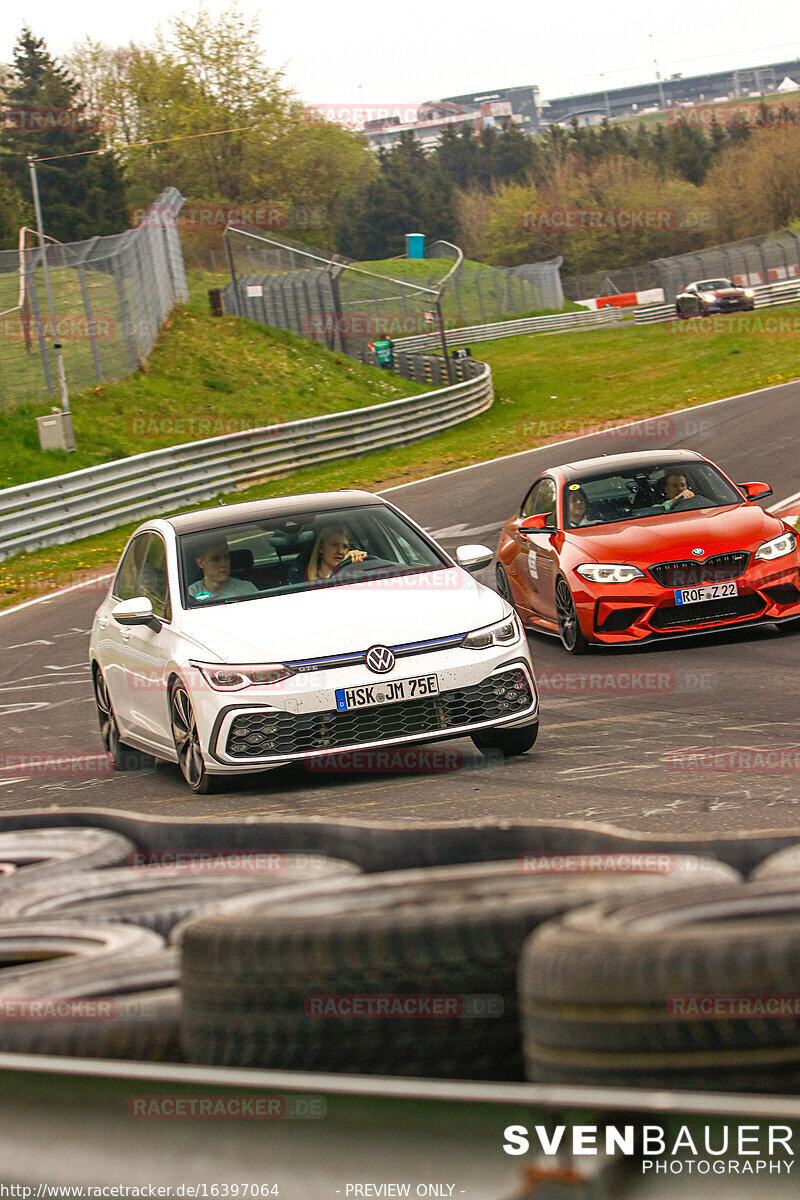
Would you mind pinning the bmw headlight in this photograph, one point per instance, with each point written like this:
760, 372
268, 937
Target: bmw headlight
233, 678
502, 633
609, 572
776, 547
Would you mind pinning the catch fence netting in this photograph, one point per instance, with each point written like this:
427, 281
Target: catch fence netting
347, 305
111, 295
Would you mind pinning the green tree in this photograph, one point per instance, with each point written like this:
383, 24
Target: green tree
81, 196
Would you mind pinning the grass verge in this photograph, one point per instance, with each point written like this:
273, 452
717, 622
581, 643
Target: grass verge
546, 388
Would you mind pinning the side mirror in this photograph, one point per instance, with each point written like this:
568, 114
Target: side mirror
756, 491
137, 611
473, 558
535, 524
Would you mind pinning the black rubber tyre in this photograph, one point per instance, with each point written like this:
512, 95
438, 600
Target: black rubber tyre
569, 628
156, 898
502, 585
187, 744
782, 863
123, 757
509, 742
787, 627
43, 853
666, 992
251, 978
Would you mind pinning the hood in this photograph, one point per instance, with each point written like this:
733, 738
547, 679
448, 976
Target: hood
345, 619
675, 535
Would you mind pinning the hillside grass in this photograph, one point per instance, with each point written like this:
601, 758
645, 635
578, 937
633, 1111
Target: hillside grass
207, 376
546, 388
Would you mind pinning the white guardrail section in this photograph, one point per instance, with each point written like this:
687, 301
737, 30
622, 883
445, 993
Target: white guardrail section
502, 329
67, 507
767, 295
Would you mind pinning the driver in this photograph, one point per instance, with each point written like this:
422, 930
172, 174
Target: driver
676, 488
331, 548
577, 506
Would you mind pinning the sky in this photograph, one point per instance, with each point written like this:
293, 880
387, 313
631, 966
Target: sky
379, 55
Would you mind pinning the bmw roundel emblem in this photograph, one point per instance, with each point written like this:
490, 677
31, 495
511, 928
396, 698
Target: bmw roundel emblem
379, 659
698, 551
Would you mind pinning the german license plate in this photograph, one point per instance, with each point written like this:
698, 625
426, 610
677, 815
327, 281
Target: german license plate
388, 692
709, 591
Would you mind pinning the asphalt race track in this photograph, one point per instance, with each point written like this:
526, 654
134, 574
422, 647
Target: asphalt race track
611, 722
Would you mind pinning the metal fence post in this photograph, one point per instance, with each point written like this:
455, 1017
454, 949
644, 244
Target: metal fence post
37, 316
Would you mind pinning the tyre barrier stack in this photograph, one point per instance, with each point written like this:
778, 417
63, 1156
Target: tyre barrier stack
583, 955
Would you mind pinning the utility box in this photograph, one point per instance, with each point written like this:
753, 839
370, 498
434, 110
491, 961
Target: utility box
415, 245
56, 432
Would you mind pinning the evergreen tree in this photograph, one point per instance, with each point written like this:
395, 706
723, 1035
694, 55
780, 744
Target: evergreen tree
81, 197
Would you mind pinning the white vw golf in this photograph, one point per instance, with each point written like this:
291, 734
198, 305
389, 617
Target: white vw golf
236, 638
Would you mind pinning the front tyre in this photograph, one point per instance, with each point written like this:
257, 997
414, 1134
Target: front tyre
123, 757
502, 585
510, 742
187, 743
569, 628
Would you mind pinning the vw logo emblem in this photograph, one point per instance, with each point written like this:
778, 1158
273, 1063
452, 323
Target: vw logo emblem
698, 551
380, 659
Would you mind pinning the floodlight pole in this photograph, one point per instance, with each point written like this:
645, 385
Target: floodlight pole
62, 378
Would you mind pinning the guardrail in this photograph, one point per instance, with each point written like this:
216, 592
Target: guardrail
501, 329
767, 295
67, 507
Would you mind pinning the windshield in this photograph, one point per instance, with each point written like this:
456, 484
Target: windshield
645, 492
296, 553
712, 285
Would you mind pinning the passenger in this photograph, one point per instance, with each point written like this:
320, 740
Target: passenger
675, 489
214, 560
577, 506
332, 547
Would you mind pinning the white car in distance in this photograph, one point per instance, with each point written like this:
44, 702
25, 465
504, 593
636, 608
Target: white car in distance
240, 637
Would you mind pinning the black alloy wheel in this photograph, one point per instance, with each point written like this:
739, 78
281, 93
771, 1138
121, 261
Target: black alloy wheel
569, 628
187, 743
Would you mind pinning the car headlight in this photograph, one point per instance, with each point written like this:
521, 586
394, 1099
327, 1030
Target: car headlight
709, 297
225, 678
502, 633
749, 293
609, 572
777, 547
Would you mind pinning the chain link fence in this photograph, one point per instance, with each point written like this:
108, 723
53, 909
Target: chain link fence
111, 296
759, 260
753, 261
348, 305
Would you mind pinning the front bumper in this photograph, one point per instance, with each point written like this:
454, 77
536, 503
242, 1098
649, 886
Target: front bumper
647, 610
297, 720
